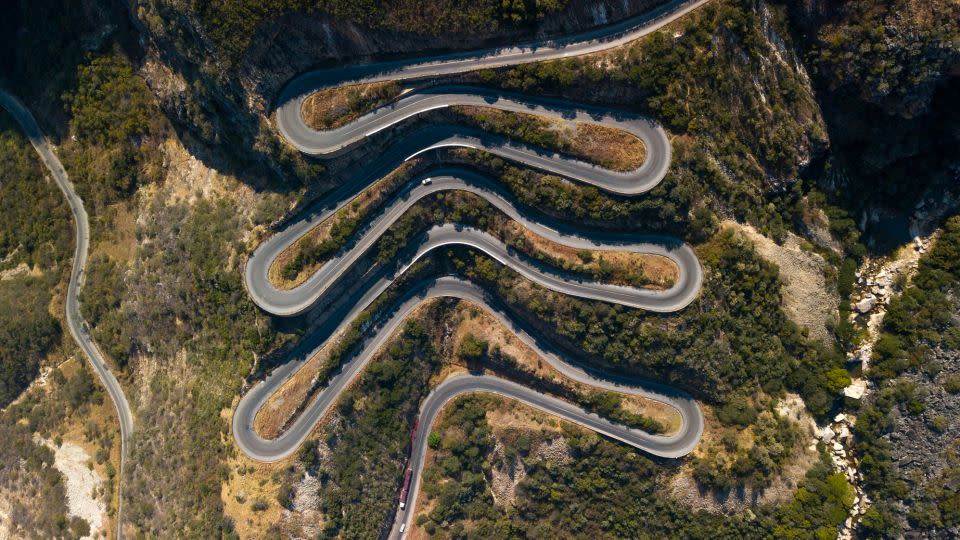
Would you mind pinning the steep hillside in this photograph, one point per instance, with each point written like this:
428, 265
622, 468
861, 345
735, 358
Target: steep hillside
909, 427
887, 74
811, 125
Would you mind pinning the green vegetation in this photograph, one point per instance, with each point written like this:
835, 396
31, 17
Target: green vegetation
118, 128
921, 317
344, 224
35, 226
27, 333
35, 229
456, 479
918, 321
743, 121
530, 129
110, 104
821, 504
311, 252
774, 440
201, 332
698, 85
734, 338
889, 53
472, 349
100, 299
376, 417
609, 405
233, 23
665, 209
607, 491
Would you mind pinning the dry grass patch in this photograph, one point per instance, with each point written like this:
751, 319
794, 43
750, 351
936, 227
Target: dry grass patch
281, 407
250, 495
357, 210
119, 240
512, 418
611, 148
808, 298
623, 267
334, 107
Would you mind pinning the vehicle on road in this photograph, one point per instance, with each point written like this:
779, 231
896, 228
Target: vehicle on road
406, 488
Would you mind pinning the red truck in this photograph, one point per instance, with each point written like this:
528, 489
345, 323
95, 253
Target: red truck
413, 432
406, 488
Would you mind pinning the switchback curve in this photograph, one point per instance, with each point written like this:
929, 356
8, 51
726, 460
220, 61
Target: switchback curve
334, 142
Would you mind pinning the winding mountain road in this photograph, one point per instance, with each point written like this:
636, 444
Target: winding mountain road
326, 282
75, 322
290, 302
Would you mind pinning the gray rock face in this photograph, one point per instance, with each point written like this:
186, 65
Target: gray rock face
922, 444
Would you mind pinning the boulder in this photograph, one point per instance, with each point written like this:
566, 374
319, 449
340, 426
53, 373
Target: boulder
865, 305
856, 389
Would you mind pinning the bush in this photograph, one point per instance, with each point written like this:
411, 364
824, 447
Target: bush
737, 411
472, 349
952, 384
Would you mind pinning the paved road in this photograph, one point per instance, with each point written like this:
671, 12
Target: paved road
326, 282
261, 449
299, 299
78, 327
597, 40
336, 141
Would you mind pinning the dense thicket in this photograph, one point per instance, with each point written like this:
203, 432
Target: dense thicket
922, 316
103, 290
606, 491
35, 229
35, 225
232, 23
118, 127
27, 333
375, 419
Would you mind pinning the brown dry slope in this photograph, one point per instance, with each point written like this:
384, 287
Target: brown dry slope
808, 298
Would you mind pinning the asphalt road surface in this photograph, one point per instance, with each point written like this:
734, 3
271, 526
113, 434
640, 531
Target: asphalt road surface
327, 282
75, 322
335, 141
290, 302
